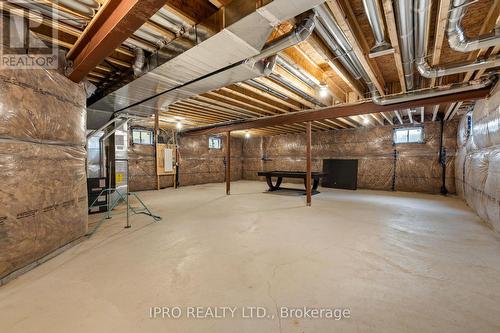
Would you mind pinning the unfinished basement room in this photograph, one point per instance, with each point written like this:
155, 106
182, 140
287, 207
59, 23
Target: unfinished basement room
264, 166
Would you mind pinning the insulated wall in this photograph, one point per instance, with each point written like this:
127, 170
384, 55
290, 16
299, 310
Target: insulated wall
142, 169
200, 165
382, 165
478, 159
197, 164
42, 165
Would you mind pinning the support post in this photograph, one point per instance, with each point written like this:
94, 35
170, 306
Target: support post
228, 163
308, 163
156, 135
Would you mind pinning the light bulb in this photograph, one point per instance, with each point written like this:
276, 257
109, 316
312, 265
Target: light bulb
178, 125
323, 90
247, 135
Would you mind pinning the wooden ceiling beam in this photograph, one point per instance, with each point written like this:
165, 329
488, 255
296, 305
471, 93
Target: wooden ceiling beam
111, 26
329, 58
220, 3
302, 60
347, 122
285, 91
255, 99
441, 23
191, 11
239, 102
393, 37
266, 97
347, 22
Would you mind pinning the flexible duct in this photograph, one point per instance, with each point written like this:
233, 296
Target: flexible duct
404, 18
374, 15
434, 92
456, 35
132, 43
163, 21
422, 22
140, 61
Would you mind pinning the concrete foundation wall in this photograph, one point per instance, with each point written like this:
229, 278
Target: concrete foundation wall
43, 194
382, 166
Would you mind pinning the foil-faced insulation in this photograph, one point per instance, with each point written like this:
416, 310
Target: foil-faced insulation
478, 159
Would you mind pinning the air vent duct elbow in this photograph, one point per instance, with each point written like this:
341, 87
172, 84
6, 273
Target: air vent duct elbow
456, 35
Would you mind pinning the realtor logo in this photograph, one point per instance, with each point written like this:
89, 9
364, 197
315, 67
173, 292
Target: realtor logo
25, 35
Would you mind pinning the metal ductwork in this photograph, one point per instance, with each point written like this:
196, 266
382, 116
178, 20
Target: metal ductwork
404, 18
422, 22
294, 37
296, 90
260, 86
339, 53
80, 7
257, 66
333, 36
211, 62
434, 92
374, 14
456, 35
295, 71
431, 72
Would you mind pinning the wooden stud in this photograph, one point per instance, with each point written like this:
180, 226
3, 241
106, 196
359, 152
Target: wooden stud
393, 37
353, 33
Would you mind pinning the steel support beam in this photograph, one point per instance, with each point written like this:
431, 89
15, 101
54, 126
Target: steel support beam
228, 163
308, 163
334, 112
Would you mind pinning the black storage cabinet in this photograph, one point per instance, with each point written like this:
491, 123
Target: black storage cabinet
342, 174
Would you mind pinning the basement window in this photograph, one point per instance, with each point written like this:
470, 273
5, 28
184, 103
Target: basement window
142, 136
409, 135
214, 142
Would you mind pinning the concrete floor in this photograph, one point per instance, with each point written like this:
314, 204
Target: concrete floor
400, 262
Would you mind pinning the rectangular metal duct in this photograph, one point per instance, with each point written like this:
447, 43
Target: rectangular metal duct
242, 38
